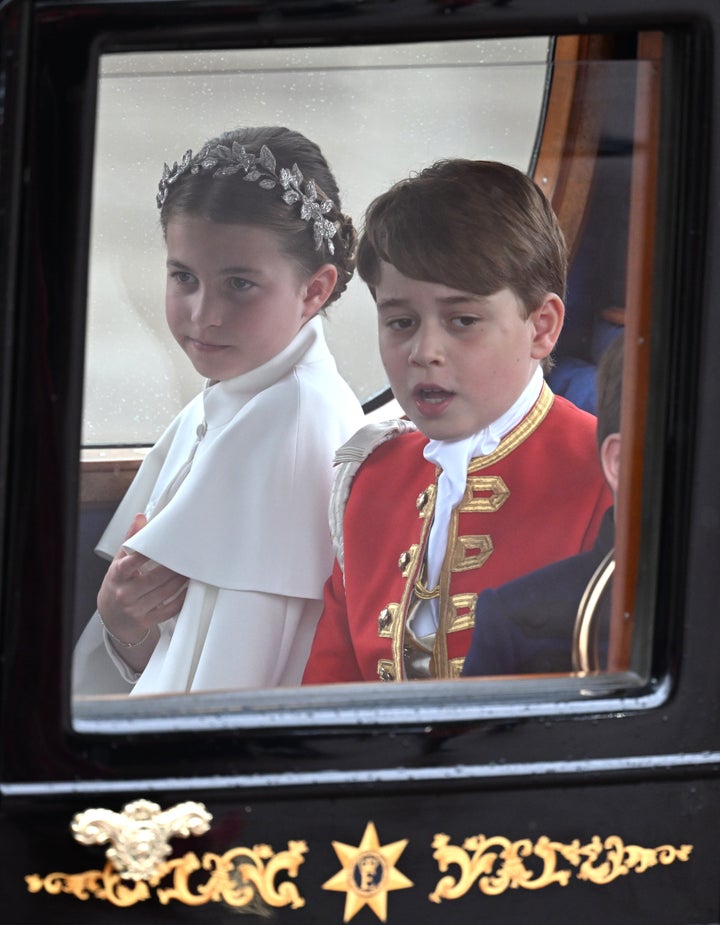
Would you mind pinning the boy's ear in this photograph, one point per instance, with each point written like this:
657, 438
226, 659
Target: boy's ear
318, 289
547, 320
610, 460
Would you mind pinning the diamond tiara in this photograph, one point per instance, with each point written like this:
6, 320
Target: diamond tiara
224, 161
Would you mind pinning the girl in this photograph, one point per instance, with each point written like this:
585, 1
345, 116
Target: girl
218, 583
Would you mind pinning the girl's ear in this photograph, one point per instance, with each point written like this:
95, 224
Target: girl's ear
318, 289
547, 320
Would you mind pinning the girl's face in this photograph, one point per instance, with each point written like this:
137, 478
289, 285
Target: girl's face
233, 300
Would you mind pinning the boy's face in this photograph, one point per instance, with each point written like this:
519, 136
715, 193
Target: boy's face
457, 361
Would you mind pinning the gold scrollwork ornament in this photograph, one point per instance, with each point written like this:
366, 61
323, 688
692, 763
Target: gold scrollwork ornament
240, 878
498, 863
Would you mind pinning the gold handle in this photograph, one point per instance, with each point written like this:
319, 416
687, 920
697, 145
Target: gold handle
585, 654
140, 835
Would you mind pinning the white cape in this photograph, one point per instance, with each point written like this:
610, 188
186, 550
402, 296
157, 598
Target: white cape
236, 492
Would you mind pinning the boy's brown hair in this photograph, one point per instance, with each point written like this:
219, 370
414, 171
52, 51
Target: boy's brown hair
477, 226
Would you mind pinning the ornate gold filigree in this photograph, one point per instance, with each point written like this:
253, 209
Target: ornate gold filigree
104, 884
620, 858
498, 863
242, 877
139, 835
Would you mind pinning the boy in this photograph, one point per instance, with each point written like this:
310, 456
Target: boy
498, 477
527, 625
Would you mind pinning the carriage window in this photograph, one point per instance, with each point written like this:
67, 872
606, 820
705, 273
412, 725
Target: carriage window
577, 114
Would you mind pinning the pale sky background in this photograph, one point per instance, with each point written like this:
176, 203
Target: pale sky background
378, 113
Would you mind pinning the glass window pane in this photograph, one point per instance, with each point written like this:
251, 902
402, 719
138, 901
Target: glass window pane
377, 113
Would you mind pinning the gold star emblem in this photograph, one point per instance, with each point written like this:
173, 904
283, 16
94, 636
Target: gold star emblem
368, 873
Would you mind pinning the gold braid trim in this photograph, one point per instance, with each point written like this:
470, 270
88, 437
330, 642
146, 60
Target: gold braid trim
393, 624
394, 615
529, 424
443, 666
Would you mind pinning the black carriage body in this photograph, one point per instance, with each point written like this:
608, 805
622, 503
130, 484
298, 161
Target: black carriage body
537, 809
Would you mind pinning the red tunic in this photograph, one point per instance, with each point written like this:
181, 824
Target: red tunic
537, 498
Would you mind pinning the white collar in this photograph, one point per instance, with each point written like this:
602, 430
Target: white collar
487, 439
221, 399
453, 456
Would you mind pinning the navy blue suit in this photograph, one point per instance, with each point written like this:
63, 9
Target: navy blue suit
526, 626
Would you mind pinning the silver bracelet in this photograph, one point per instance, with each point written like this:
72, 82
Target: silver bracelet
125, 645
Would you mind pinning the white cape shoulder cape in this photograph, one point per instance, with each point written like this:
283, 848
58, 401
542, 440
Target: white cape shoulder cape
236, 492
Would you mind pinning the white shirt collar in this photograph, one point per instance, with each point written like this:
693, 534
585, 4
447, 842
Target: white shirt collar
453, 456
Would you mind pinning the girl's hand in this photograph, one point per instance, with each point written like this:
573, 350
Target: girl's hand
136, 595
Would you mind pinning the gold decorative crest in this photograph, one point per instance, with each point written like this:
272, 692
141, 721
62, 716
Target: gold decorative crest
368, 873
498, 863
140, 835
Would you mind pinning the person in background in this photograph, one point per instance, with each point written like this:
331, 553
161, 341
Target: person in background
527, 625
